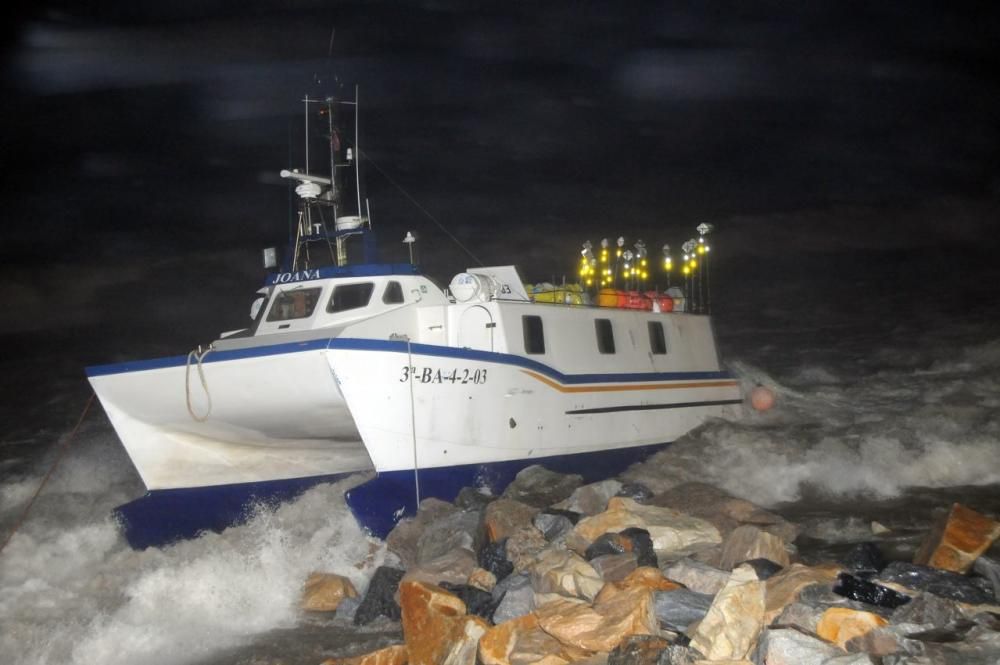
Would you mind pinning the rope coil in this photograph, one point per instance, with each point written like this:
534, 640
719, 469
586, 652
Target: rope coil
198, 355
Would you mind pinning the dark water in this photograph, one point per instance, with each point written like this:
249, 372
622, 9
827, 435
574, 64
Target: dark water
886, 369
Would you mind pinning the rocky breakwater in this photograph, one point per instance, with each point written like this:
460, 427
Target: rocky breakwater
555, 572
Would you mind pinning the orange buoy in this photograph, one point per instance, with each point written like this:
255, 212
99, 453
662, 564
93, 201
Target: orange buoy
761, 398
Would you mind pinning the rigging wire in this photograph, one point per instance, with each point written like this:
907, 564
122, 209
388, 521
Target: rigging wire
45, 480
421, 208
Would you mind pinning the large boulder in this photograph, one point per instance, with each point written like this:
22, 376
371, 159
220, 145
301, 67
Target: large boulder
501, 518
677, 610
514, 596
591, 499
912, 577
735, 619
957, 540
404, 537
841, 624
539, 487
323, 592
674, 534
645, 577
436, 628
723, 510
566, 574
790, 646
603, 626
449, 532
453, 567
380, 598
784, 588
697, 576
750, 542
521, 641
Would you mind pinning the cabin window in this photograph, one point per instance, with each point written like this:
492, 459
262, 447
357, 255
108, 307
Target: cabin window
605, 335
657, 340
350, 296
393, 294
294, 304
534, 335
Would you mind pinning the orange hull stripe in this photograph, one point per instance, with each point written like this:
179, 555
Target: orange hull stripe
627, 386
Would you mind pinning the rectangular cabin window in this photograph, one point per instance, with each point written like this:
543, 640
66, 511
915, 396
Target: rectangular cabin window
294, 304
393, 294
605, 335
534, 335
350, 296
657, 340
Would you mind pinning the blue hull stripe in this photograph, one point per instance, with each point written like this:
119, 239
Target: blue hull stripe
165, 516
357, 344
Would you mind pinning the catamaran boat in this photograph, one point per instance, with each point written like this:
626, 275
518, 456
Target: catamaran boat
372, 367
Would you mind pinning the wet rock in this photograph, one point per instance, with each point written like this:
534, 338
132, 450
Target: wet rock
449, 532
503, 517
493, 558
792, 646
453, 567
436, 628
380, 599
392, 655
734, 620
980, 647
800, 615
323, 592
723, 510
676, 610
524, 546
632, 539
784, 588
645, 577
566, 574
522, 642
673, 533
871, 593
403, 539
636, 491
591, 499
928, 609
638, 650
750, 542
864, 561
942, 583
537, 486
765, 568
840, 624
956, 541
603, 626
482, 579
677, 654
990, 569
551, 525
614, 567
473, 499
477, 601
515, 598
697, 576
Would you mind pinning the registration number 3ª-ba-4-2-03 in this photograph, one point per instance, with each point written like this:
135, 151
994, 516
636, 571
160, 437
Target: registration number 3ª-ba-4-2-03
455, 375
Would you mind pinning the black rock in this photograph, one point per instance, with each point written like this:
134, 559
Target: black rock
637, 491
927, 608
478, 602
638, 650
380, 600
469, 498
975, 591
953, 632
633, 539
642, 545
764, 568
679, 653
861, 590
493, 557
537, 486
865, 560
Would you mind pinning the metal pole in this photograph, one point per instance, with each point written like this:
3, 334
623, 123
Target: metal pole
357, 149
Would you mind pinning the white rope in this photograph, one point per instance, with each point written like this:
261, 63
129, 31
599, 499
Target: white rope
198, 356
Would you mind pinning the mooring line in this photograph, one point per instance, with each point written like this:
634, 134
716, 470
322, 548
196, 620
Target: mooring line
45, 480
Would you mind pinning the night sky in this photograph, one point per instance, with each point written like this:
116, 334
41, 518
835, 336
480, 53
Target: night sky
142, 141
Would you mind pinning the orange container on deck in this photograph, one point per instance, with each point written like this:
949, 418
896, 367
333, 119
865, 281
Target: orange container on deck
636, 300
609, 297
